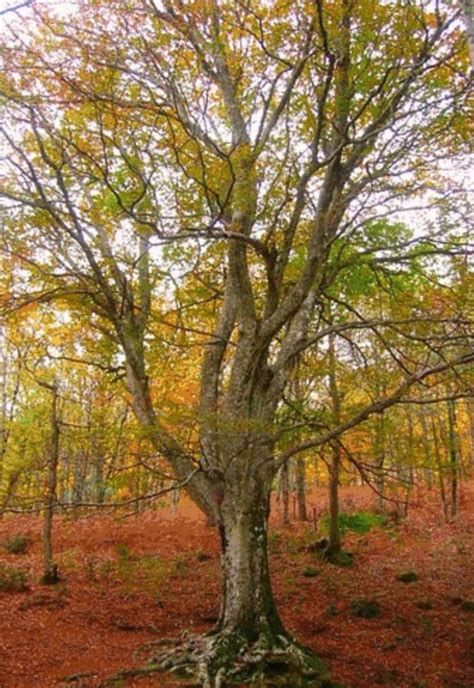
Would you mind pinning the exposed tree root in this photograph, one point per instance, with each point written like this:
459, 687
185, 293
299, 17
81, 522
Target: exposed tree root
225, 658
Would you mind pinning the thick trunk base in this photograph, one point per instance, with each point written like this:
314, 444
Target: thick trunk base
228, 658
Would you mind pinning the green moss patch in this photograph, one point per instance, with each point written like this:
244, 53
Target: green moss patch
356, 521
365, 608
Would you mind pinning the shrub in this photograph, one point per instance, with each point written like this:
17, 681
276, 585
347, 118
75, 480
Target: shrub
13, 579
17, 544
123, 552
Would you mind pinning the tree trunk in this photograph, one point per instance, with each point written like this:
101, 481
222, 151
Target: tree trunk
302, 514
285, 493
470, 415
439, 466
247, 606
427, 467
249, 641
334, 544
99, 486
50, 569
379, 452
453, 456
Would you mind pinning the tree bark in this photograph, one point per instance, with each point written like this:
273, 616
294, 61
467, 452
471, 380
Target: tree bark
50, 571
453, 456
285, 493
439, 465
249, 641
302, 513
379, 451
248, 605
334, 544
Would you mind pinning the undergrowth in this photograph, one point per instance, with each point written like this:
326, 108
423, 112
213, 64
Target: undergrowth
13, 579
357, 521
16, 544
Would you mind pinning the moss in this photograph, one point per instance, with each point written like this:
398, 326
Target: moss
123, 552
407, 577
17, 544
310, 572
365, 608
425, 605
356, 521
331, 610
13, 579
342, 558
467, 606
50, 576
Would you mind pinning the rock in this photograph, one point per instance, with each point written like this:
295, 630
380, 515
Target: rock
318, 546
310, 572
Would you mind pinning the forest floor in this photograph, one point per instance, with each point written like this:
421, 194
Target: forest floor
128, 581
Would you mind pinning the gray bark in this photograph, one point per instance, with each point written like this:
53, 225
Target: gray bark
248, 606
334, 544
468, 9
49, 567
453, 456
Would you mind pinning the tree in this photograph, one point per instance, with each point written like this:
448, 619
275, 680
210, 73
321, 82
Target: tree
249, 146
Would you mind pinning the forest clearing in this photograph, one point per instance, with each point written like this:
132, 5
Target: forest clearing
128, 581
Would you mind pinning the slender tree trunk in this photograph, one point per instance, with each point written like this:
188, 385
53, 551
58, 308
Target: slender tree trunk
439, 465
285, 493
427, 467
453, 456
470, 415
3, 404
99, 474
379, 452
50, 570
334, 544
468, 7
302, 514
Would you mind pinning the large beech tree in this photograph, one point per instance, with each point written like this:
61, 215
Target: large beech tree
233, 152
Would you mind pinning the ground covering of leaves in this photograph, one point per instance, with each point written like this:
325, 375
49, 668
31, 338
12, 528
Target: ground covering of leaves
131, 581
